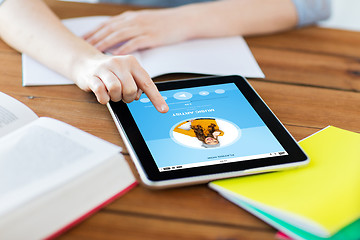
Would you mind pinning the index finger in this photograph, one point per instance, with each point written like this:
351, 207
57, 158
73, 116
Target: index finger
145, 83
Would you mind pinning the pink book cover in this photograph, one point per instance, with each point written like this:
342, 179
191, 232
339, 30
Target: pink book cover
88, 214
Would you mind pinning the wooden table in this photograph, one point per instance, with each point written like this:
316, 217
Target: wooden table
312, 81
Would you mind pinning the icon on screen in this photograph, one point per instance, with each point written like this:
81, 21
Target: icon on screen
144, 100
219, 91
205, 133
204, 93
182, 95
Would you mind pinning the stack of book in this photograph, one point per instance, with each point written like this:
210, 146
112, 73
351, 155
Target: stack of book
320, 201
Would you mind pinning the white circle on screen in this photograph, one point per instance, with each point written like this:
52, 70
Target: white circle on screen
144, 100
182, 95
204, 93
219, 91
231, 134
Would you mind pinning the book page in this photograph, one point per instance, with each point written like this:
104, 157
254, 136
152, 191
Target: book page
44, 155
13, 114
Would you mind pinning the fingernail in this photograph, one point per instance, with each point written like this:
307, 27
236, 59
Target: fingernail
163, 108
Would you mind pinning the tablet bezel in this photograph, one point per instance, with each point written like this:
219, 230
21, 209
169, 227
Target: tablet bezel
149, 171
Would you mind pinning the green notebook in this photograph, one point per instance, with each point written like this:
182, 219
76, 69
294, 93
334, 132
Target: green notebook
349, 232
322, 199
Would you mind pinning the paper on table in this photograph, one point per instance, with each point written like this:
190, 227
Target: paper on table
217, 56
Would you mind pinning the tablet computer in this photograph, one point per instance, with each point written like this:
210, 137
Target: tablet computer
216, 127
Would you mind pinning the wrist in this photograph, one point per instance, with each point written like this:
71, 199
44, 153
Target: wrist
83, 64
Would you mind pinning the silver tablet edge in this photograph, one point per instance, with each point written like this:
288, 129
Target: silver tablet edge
307, 157
198, 179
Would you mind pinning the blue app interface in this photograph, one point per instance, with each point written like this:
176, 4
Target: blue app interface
205, 126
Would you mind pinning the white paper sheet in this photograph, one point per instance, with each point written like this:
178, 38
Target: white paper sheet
217, 56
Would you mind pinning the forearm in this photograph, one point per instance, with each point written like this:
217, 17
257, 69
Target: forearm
238, 17
30, 27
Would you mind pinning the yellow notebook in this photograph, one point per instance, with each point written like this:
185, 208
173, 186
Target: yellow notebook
321, 198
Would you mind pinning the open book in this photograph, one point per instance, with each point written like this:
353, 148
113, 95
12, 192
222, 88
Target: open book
52, 175
317, 202
217, 56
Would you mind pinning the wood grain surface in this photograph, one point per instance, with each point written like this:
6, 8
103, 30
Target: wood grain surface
312, 81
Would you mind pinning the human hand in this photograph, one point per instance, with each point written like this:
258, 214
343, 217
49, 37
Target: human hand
140, 30
117, 78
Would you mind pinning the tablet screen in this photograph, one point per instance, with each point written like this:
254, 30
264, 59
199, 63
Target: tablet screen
206, 125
